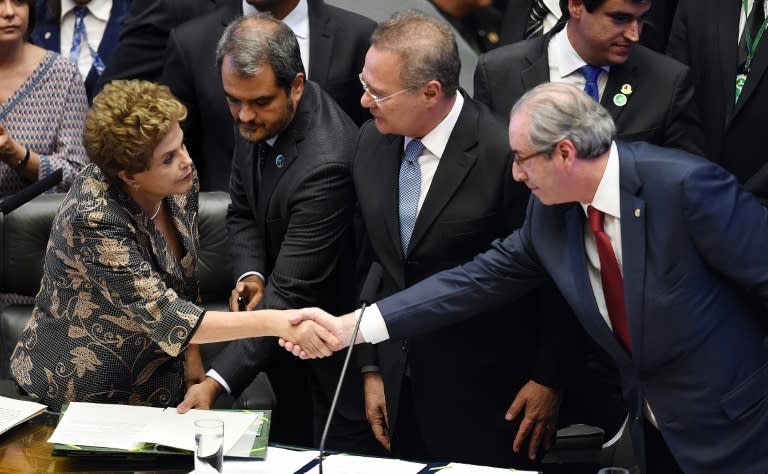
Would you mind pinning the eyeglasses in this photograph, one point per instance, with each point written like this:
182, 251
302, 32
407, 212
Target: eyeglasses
375, 98
520, 159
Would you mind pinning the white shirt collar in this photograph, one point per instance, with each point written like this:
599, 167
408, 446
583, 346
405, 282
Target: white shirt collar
554, 8
98, 8
569, 60
436, 140
297, 20
608, 195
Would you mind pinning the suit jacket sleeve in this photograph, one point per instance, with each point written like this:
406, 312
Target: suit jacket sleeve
682, 126
677, 47
508, 270
482, 90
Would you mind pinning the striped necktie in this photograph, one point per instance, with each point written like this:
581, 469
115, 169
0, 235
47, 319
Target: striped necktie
535, 26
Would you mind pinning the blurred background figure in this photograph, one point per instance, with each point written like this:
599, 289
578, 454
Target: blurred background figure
85, 31
477, 21
42, 106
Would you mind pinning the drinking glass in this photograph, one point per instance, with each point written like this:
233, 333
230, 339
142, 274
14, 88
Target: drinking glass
209, 446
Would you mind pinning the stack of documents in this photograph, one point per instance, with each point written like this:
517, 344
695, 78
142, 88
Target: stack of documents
14, 412
127, 427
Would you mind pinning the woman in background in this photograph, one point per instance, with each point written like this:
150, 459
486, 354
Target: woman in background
42, 106
114, 320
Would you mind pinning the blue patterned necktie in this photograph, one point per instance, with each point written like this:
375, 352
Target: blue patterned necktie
81, 36
410, 190
590, 74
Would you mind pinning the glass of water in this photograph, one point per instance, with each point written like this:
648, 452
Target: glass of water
209, 446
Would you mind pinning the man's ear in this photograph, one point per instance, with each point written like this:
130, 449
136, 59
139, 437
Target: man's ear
297, 87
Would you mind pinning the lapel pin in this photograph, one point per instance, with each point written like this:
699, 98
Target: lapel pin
637, 212
626, 89
493, 37
280, 161
620, 100
47, 35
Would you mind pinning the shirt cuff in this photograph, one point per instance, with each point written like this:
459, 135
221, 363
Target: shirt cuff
215, 376
372, 326
263, 280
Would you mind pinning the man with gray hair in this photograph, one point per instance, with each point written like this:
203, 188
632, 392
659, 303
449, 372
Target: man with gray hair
661, 255
432, 175
290, 228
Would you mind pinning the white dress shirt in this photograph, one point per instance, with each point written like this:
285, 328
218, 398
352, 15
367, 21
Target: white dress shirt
564, 63
298, 21
95, 25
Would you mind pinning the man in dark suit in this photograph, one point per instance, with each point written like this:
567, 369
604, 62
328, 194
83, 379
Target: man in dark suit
102, 21
140, 52
334, 48
649, 96
521, 19
668, 274
290, 228
709, 36
466, 199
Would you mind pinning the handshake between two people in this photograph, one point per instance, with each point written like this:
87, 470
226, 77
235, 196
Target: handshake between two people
315, 333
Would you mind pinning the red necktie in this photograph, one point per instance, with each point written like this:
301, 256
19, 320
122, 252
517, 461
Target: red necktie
613, 283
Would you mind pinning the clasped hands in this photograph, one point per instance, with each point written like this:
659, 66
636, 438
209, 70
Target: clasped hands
318, 334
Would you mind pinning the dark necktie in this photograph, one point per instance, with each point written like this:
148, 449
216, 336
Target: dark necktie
410, 190
80, 36
613, 283
262, 151
754, 21
535, 26
591, 74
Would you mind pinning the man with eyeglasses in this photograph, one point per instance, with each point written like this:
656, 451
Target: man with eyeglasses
594, 46
433, 179
661, 255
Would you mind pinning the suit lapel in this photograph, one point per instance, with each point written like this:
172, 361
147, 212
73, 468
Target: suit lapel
457, 160
620, 75
727, 42
538, 70
633, 246
586, 307
320, 42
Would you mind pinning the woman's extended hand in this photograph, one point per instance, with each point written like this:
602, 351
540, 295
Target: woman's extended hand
315, 340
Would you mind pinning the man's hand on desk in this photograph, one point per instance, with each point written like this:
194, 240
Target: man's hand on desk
250, 289
200, 395
341, 327
540, 405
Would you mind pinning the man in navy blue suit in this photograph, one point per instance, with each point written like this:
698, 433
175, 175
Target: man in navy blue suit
669, 277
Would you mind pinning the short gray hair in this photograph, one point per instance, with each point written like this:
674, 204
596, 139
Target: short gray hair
426, 46
257, 40
561, 111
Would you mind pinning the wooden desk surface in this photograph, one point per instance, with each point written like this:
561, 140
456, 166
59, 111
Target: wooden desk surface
25, 449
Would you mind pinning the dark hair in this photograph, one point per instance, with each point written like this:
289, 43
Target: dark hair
426, 46
261, 39
589, 5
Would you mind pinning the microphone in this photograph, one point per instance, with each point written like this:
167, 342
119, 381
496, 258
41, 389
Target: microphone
30, 192
367, 296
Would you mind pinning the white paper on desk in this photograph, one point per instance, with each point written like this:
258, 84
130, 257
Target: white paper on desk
103, 425
278, 461
14, 412
459, 468
178, 430
348, 464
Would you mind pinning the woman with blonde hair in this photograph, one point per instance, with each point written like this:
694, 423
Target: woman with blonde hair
114, 320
